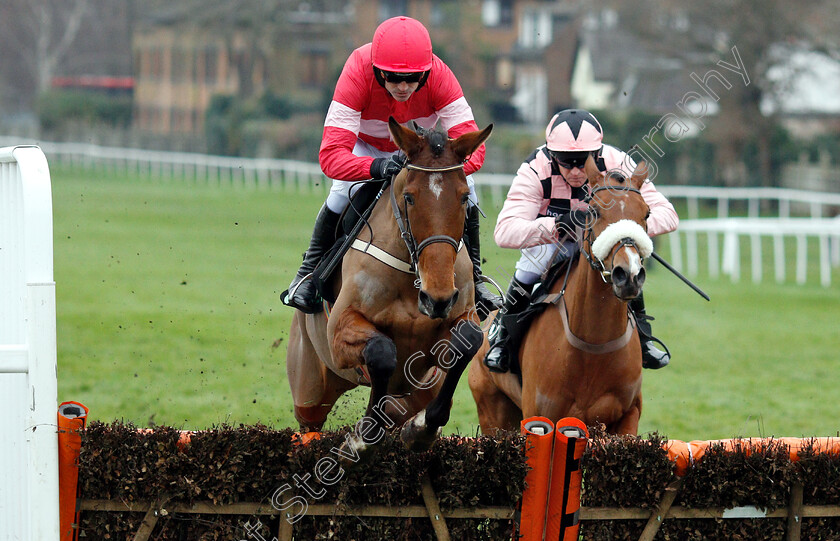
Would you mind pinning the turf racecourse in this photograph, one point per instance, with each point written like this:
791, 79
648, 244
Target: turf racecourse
168, 313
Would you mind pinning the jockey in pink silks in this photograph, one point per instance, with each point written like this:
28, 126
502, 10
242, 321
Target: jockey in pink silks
546, 201
395, 75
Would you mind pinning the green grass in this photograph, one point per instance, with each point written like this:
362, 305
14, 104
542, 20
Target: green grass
168, 306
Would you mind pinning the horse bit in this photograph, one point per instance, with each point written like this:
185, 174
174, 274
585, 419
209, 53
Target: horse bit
593, 261
415, 249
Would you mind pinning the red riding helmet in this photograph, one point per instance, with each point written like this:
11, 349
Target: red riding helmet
573, 130
402, 45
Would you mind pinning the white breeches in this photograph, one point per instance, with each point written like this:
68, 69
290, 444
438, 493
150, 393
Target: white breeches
536, 259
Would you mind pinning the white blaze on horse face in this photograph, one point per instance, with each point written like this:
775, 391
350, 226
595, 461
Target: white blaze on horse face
436, 184
634, 261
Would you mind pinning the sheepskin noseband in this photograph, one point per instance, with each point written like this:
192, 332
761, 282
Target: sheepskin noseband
622, 229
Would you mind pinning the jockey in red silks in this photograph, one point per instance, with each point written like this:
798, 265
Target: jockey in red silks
395, 75
546, 203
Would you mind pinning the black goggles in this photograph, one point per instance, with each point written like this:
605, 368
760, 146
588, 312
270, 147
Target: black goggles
397, 78
571, 160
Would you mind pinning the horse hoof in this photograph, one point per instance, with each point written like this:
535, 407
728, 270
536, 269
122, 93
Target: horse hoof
416, 436
353, 451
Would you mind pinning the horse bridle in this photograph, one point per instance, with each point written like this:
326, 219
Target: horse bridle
593, 261
414, 249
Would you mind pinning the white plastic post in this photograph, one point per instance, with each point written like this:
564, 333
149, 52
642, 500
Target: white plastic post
29, 441
779, 253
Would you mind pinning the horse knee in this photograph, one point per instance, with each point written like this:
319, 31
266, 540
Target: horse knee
312, 417
380, 356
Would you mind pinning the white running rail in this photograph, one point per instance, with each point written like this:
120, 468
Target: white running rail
826, 232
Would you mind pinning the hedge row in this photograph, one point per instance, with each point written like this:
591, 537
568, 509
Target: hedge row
249, 463
621, 471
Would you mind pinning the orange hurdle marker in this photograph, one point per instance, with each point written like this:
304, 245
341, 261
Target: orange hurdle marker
539, 432
563, 519
72, 417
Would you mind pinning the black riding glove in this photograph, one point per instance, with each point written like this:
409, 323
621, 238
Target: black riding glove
387, 167
566, 223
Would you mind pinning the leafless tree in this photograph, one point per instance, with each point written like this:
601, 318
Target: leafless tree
40, 33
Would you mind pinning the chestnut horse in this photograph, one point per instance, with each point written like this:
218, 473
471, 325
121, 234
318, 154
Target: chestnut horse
581, 355
404, 313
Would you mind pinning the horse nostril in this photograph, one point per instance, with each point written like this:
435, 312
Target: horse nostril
640, 278
619, 276
435, 308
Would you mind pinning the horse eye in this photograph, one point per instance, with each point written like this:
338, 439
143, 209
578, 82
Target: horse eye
409, 198
465, 199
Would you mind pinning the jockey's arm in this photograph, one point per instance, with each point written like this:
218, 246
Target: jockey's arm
663, 218
336, 154
451, 107
518, 225
457, 119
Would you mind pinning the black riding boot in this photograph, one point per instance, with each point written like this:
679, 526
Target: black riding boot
517, 298
485, 300
652, 357
303, 294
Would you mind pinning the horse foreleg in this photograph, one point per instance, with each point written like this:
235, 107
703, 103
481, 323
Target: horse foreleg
356, 341
629, 422
419, 432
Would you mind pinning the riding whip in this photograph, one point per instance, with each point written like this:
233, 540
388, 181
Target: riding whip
679, 275
357, 228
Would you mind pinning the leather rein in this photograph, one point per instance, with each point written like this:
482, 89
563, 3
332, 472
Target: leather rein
599, 267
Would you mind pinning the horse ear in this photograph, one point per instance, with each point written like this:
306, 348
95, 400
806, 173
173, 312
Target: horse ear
593, 174
467, 144
405, 138
639, 175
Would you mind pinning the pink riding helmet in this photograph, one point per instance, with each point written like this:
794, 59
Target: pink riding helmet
574, 130
402, 45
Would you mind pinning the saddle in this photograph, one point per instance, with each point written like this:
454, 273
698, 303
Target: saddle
517, 324
349, 225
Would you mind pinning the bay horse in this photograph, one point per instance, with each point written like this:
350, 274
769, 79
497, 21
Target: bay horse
404, 312
581, 355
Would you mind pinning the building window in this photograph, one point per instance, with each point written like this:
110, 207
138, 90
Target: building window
531, 98
497, 13
535, 29
211, 63
156, 71
314, 68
